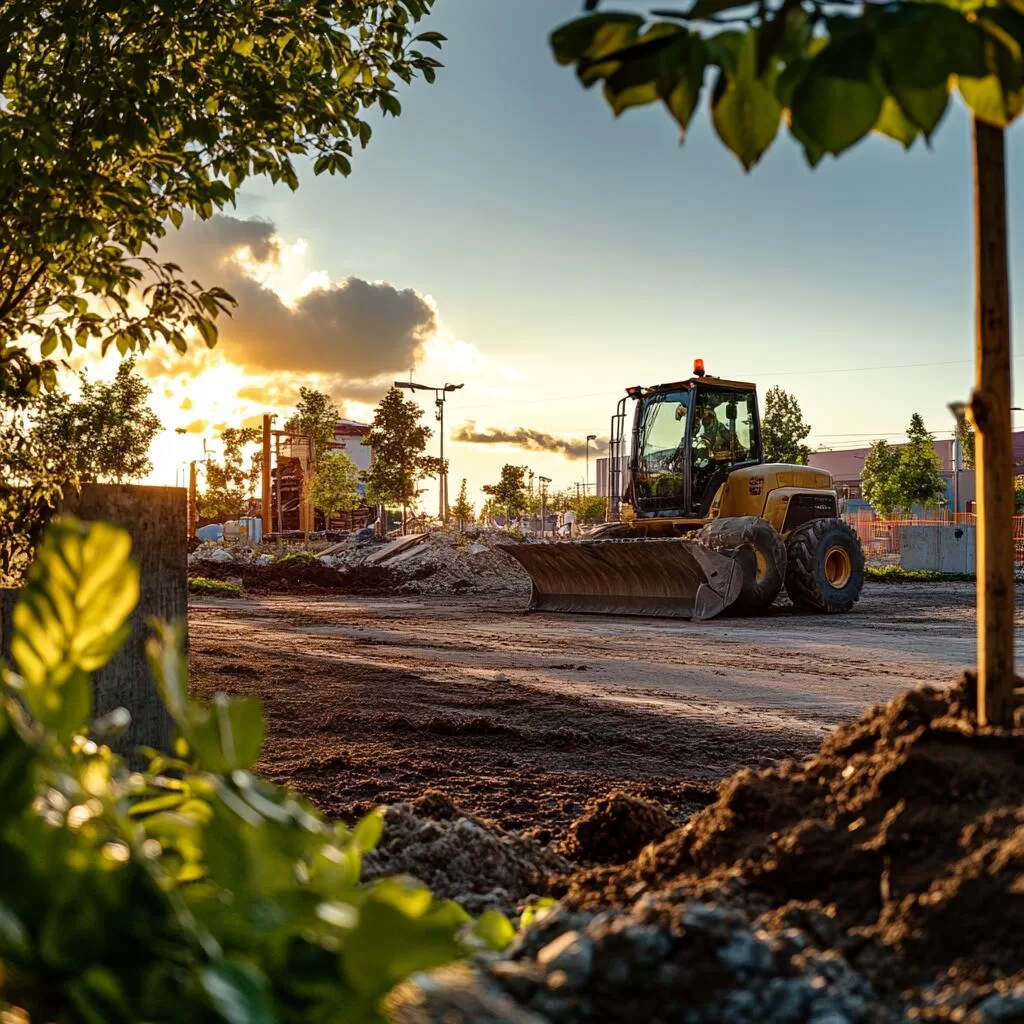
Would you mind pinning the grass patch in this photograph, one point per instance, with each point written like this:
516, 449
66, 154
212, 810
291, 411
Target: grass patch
213, 588
897, 574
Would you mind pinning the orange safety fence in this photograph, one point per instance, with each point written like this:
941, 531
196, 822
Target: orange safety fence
880, 538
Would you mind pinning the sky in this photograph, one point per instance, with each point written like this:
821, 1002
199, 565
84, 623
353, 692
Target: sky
509, 233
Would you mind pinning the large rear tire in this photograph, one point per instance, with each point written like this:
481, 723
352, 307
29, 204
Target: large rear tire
826, 566
763, 574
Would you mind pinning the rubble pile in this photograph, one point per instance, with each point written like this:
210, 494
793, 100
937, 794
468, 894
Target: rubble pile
442, 562
461, 857
882, 879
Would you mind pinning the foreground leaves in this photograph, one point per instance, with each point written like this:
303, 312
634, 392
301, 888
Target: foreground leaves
832, 76
193, 891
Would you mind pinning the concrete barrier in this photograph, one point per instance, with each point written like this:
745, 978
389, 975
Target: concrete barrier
936, 548
156, 519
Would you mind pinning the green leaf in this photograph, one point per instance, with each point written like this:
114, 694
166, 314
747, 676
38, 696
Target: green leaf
99, 997
835, 112
894, 123
746, 115
593, 36
494, 929
401, 930
707, 8
239, 992
988, 98
243, 47
368, 831
72, 617
924, 108
207, 330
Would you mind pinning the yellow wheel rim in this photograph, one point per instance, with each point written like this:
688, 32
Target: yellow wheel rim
760, 565
838, 567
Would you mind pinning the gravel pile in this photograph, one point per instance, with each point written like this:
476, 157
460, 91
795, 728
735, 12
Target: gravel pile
460, 857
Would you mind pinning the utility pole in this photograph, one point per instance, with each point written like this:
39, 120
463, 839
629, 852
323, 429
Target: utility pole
990, 414
590, 437
544, 481
439, 399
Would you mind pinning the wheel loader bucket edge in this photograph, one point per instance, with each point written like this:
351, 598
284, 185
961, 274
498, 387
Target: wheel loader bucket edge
666, 578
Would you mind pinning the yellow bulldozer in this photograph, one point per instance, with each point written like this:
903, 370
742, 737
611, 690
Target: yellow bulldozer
700, 524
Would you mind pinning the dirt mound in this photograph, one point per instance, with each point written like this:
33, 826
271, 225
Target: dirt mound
615, 828
302, 575
461, 857
907, 825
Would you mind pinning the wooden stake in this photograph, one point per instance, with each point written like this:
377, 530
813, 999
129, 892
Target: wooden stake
990, 413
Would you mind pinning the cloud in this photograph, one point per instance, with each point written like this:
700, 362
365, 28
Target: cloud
531, 440
352, 328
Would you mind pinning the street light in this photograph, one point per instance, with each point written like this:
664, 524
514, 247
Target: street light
439, 399
590, 437
544, 481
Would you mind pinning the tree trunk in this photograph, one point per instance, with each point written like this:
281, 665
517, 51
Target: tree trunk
990, 413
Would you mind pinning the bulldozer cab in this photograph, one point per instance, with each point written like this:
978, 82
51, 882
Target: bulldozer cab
687, 438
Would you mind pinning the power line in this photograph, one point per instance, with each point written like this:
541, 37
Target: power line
747, 374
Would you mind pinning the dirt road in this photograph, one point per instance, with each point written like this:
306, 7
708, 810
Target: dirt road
521, 718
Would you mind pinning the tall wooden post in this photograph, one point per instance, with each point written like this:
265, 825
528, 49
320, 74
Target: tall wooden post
266, 503
990, 413
192, 514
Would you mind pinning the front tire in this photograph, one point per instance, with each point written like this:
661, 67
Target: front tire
826, 566
763, 579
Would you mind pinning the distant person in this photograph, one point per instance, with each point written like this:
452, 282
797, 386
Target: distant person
569, 524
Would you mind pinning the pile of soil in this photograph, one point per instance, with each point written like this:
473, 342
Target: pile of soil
881, 879
461, 857
615, 828
302, 576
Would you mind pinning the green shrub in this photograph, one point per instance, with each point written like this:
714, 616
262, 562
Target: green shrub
897, 574
214, 588
192, 892
298, 558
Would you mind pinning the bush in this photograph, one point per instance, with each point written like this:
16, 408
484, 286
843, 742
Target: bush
191, 892
213, 588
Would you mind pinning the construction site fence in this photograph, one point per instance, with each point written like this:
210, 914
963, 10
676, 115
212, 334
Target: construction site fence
880, 538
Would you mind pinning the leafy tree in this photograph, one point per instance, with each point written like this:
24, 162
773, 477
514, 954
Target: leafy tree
783, 429
920, 477
463, 509
509, 493
105, 434
229, 484
399, 443
171, 893
317, 415
879, 480
335, 485
895, 480
589, 509
965, 434
1018, 495
119, 117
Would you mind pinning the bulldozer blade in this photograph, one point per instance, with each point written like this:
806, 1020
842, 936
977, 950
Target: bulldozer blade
666, 578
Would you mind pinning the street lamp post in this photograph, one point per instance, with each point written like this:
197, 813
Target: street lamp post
439, 400
590, 437
544, 481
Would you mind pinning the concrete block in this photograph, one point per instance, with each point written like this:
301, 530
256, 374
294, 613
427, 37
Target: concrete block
938, 548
